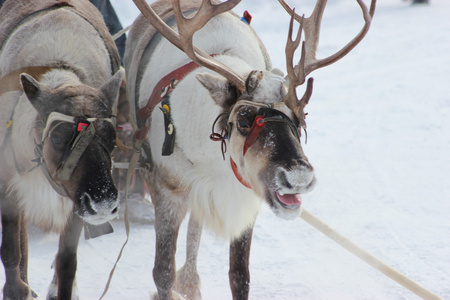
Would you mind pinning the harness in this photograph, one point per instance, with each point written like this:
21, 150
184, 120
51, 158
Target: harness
11, 81
83, 137
161, 94
161, 91
258, 124
84, 134
81, 140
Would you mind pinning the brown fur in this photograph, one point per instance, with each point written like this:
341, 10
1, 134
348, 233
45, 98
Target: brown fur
14, 12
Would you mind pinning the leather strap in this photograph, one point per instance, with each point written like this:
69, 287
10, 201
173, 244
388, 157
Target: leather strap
163, 88
238, 175
258, 124
11, 82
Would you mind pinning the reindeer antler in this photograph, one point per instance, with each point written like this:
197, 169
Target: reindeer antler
308, 61
186, 29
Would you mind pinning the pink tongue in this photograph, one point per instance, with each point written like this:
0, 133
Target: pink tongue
290, 199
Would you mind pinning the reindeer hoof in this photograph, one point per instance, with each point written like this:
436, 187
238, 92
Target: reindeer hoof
22, 292
188, 283
53, 291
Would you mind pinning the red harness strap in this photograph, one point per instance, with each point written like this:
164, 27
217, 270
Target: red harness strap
163, 88
238, 176
258, 124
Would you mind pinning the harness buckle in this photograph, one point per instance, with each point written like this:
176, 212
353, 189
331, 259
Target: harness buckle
81, 126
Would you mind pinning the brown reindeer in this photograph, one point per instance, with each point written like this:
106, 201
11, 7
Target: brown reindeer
58, 97
226, 92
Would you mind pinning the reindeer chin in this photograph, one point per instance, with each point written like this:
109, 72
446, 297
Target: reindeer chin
99, 218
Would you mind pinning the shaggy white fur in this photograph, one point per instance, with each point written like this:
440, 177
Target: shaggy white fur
215, 196
195, 177
41, 204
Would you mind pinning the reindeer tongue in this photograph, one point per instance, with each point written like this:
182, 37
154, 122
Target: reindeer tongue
290, 199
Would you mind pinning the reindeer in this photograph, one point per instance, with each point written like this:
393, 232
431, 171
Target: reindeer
58, 97
225, 90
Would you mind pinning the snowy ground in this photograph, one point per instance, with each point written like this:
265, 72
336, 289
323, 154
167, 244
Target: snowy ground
379, 138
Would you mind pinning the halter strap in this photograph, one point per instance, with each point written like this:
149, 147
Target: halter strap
86, 132
238, 175
56, 116
258, 124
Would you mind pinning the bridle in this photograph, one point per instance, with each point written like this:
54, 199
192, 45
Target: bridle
258, 124
84, 134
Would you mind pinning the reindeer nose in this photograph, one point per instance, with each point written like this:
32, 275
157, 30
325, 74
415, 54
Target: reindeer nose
299, 179
104, 201
86, 206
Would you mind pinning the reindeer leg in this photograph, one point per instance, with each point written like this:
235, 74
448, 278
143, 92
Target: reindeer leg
188, 280
66, 262
168, 218
23, 265
14, 240
239, 273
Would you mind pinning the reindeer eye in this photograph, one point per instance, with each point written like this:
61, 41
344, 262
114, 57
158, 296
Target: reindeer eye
243, 124
61, 136
58, 141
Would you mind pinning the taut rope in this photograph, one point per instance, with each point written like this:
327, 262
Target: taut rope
367, 257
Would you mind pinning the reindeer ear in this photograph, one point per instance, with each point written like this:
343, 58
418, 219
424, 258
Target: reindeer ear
35, 92
111, 89
277, 71
253, 80
30, 86
217, 86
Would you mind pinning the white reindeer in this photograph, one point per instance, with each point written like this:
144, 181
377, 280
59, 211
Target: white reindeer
58, 97
228, 93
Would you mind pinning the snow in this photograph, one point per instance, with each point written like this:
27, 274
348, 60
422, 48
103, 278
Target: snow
379, 139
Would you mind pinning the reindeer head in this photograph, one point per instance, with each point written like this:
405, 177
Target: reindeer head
262, 117
74, 142
263, 138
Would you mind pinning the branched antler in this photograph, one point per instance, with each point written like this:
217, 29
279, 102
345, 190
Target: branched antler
297, 75
308, 61
186, 29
